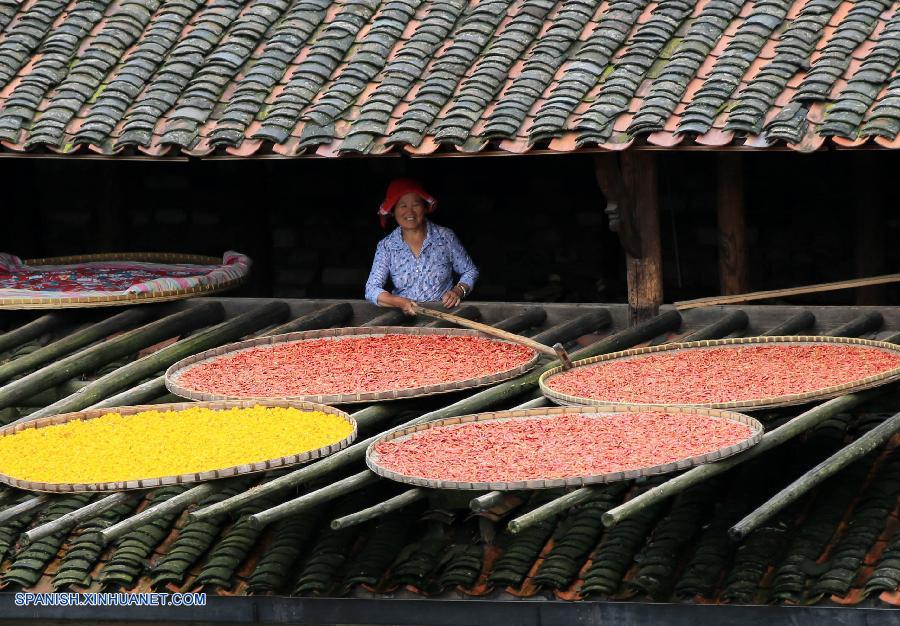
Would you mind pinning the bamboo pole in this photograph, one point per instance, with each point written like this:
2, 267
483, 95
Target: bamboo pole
78, 516
379, 510
770, 440
472, 404
867, 322
108, 351
792, 325
142, 394
173, 504
312, 499
873, 439
394, 317
331, 315
550, 509
33, 329
128, 318
105, 386
727, 324
791, 291
468, 312
556, 351
526, 318
26, 506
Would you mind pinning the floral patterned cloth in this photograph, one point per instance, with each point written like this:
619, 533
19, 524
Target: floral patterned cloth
106, 278
424, 278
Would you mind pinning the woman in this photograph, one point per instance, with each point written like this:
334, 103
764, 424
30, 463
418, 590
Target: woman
419, 257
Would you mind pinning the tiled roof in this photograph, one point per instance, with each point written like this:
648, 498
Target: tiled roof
335, 77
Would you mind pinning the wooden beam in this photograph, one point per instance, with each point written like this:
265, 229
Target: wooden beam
644, 272
732, 231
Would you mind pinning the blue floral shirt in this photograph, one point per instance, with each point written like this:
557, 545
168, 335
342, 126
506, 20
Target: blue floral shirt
422, 279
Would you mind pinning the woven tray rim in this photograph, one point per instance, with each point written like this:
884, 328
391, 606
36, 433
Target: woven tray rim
772, 402
123, 299
372, 460
178, 479
174, 372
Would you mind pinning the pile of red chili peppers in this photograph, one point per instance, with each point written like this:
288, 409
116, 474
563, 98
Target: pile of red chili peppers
352, 365
731, 374
563, 446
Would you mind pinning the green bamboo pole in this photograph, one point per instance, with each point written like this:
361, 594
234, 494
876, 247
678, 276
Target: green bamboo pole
727, 324
548, 510
472, 404
33, 329
100, 354
867, 322
382, 508
173, 504
312, 499
394, 317
468, 312
25, 506
128, 318
331, 315
105, 386
528, 317
145, 393
792, 325
870, 441
78, 516
54, 394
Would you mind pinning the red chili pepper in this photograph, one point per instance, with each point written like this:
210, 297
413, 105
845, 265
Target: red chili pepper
556, 447
712, 375
353, 365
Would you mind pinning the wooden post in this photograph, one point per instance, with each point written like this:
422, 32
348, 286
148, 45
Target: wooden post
644, 272
732, 232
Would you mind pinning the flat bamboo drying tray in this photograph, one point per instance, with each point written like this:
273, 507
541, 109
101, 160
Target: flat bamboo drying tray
146, 483
372, 457
745, 405
77, 302
176, 370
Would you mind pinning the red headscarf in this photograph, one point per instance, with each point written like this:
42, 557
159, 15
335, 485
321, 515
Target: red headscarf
398, 188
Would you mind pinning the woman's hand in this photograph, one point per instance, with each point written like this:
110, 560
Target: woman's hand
452, 298
406, 305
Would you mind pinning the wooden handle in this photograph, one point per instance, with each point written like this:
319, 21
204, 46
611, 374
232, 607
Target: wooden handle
557, 351
791, 291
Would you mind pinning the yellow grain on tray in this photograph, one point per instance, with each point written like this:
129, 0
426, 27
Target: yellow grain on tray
153, 444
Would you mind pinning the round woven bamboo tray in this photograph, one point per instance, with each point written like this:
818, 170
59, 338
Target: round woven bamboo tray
372, 457
147, 483
176, 370
744, 405
123, 299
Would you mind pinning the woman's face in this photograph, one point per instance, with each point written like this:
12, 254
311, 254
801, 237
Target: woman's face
410, 211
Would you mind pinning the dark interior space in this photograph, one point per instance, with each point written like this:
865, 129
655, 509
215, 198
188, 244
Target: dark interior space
535, 225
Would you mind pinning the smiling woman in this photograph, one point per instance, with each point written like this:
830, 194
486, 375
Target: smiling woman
419, 257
